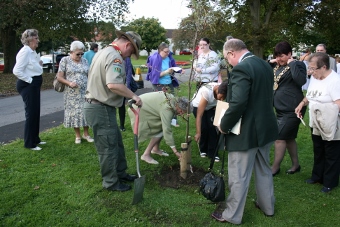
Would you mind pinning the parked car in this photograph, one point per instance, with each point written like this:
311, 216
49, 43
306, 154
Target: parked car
58, 59
2, 65
185, 52
47, 63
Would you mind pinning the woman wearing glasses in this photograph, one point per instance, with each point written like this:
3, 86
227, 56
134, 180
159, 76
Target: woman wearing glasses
72, 72
159, 69
289, 76
208, 63
28, 69
323, 97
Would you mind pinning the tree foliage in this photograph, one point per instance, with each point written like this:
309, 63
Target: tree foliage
150, 30
56, 20
263, 23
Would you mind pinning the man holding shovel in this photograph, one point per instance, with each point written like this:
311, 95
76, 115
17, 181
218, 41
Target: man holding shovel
105, 92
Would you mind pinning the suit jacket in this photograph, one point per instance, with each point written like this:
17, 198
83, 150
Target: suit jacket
332, 64
250, 96
289, 93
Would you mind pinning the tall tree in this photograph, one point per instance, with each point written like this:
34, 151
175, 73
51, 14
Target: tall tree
55, 20
151, 31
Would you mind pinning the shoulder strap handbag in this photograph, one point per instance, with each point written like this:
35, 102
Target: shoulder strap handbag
58, 86
212, 186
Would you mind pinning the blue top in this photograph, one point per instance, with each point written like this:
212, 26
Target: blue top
166, 79
88, 55
154, 64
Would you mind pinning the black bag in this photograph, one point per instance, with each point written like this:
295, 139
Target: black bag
212, 187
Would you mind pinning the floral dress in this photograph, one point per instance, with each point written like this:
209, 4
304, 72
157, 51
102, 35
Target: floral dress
74, 98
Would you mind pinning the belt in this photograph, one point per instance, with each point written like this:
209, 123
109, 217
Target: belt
93, 101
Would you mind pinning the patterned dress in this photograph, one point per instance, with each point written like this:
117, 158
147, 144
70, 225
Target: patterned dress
74, 98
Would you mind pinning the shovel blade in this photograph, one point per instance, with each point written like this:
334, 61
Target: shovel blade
138, 190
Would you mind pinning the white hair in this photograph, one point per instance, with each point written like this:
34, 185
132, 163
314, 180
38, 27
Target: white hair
77, 45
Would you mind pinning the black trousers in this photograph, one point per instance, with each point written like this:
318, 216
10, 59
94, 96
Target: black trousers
326, 167
30, 94
209, 138
121, 112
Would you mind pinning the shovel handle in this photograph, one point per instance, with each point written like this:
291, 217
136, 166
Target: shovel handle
135, 128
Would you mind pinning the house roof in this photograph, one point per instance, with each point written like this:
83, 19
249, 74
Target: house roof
168, 33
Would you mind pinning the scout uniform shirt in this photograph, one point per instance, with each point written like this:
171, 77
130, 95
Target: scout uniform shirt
107, 67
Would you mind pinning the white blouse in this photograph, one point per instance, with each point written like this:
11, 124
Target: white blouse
27, 64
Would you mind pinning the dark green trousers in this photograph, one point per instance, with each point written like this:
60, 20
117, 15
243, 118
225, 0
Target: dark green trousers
108, 141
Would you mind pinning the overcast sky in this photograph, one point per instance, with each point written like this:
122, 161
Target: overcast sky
168, 12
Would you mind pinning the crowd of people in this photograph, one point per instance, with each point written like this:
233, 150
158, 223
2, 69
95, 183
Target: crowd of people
267, 96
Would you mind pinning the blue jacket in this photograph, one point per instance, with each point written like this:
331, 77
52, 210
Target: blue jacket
154, 64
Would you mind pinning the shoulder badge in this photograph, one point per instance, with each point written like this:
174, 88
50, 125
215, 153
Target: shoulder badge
117, 60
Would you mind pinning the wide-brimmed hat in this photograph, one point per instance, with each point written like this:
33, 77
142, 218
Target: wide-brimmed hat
134, 38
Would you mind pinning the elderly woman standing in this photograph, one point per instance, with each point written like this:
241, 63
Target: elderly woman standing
154, 122
28, 69
289, 76
323, 96
73, 73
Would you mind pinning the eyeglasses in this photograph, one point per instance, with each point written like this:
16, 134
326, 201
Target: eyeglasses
167, 52
80, 54
229, 52
203, 44
311, 69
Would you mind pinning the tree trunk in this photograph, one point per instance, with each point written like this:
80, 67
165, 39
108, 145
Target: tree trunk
9, 44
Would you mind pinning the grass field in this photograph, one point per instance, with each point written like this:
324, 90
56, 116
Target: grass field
61, 186
142, 59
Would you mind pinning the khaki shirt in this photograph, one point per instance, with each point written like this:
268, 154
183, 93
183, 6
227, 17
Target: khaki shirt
107, 68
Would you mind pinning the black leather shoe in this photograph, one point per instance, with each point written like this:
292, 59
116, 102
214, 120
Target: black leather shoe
218, 217
277, 172
128, 177
258, 207
294, 171
326, 190
121, 188
310, 181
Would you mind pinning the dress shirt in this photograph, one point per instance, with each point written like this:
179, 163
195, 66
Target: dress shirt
27, 64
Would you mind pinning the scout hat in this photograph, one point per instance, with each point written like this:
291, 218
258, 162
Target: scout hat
134, 38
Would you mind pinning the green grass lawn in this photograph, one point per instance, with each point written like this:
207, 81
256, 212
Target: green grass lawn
142, 59
61, 186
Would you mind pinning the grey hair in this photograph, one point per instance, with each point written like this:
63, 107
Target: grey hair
235, 45
77, 45
183, 104
321, 59
322, 45
162, 46
229, 37
28, 35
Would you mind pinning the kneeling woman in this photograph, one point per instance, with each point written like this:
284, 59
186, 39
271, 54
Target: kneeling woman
155, 122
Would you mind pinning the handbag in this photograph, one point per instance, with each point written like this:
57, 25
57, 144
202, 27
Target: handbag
58, 86
212, 186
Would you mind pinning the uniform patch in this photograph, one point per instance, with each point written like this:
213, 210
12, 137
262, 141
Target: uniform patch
117, 69
117, 60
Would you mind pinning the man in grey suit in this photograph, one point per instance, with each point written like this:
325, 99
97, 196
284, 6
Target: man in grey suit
322, 48
250, 96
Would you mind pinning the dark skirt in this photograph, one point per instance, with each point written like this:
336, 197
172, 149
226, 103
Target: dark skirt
288, 124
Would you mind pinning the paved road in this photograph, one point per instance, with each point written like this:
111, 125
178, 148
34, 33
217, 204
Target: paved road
12, 113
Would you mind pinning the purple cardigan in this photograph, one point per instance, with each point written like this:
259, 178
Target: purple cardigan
154, 64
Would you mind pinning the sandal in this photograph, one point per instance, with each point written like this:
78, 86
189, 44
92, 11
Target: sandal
152, 161
160, 153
